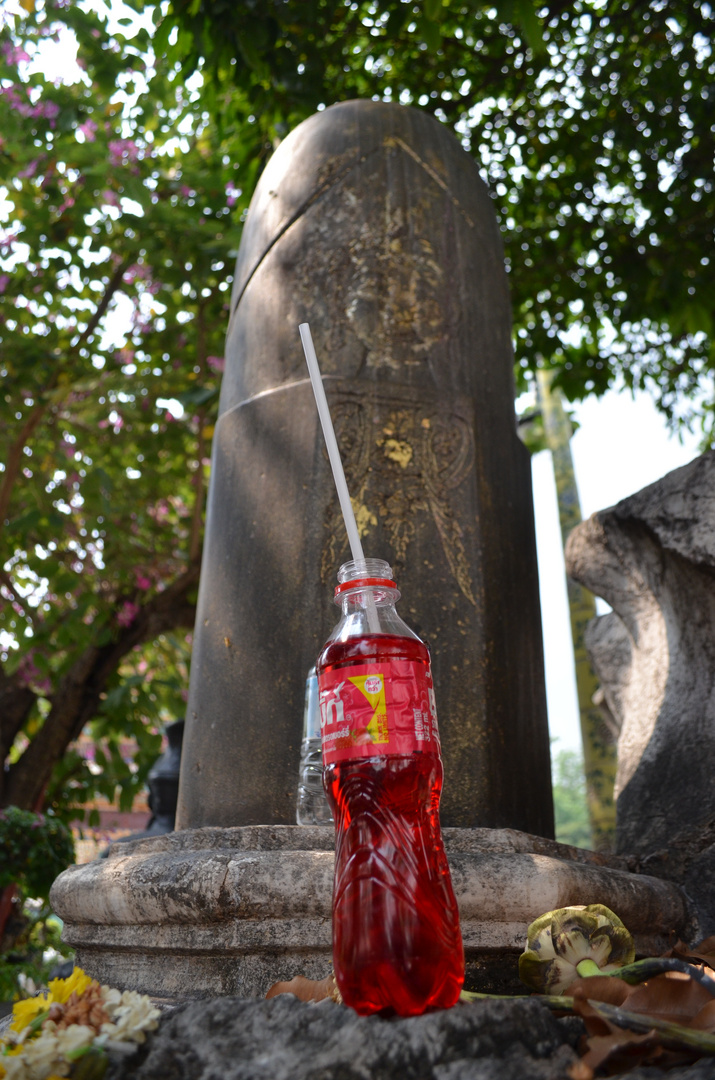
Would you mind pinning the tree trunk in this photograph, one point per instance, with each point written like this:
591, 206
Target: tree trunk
77, 697
599, 747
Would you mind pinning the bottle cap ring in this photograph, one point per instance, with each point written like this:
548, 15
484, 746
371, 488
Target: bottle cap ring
359, 583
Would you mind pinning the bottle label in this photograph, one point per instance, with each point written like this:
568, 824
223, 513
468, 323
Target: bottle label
379, 708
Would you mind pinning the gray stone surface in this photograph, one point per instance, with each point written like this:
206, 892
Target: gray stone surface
608, 644
210, 912
284, 1039
652, 557
371, 223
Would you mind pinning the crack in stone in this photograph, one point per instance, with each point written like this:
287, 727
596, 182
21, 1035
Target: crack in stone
395, 140
310, 201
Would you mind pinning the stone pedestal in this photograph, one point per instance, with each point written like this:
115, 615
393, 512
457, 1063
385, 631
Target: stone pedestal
210, 912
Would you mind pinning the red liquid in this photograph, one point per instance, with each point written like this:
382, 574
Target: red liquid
397, 946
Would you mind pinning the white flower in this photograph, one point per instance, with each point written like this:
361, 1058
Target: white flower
40, 1058
73, 1037
131, 1015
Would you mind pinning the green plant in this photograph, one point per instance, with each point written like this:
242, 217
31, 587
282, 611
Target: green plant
34, 953
570, 808
35, 849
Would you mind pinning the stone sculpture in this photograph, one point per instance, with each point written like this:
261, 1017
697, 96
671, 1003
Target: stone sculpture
652, 557
372, 224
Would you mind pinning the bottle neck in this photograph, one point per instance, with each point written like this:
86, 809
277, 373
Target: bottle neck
367, 595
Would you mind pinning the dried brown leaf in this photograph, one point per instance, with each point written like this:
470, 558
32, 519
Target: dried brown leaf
610, 1047
621, 1050
580, 1071
673, 997
703, 951
705, 1019
601, 988
307, 989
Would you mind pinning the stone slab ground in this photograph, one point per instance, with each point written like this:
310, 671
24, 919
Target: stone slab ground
285, 1039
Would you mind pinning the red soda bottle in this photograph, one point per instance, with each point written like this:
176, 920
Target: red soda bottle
397, 945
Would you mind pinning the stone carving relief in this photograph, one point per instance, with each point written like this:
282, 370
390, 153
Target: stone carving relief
402, 461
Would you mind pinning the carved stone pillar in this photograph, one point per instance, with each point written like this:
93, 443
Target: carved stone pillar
372, 224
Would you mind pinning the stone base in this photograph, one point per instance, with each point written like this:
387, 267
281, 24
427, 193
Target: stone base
213, 912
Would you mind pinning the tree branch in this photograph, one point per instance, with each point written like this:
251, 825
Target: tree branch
14, 458
78, 695
111, 287
16, 701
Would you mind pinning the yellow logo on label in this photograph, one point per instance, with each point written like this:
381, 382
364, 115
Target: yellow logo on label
373, 688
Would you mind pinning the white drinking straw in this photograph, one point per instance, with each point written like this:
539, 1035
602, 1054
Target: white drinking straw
337, 466
331, 442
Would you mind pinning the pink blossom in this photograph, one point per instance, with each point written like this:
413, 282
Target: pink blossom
109, 198
137, 271
4, 280
30, 675
68, 449
186, 191
216, 363
49, 109
143, 582
125, 356
232, 194
122, 151
30, 169
66, 205
14, 54
160, 511
127, 613
88, 129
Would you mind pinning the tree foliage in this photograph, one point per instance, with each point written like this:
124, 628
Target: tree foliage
123, 187
593, 123
570, 805
114, 272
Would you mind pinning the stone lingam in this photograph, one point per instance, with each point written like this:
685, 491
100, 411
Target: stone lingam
373, 225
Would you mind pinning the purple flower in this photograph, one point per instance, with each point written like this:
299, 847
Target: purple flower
232, 194
125, 356
4, 280
49, 109
29, 170
123, 150
216, 363
14, 54
88, 129
127, 613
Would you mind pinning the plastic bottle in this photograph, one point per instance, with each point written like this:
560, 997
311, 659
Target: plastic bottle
397, 945
312, 804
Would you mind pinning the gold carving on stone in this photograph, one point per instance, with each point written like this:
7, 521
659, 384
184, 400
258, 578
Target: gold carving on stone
402, 461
